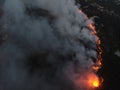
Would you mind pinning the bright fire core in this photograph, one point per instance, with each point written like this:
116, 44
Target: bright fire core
93, 81
89, 82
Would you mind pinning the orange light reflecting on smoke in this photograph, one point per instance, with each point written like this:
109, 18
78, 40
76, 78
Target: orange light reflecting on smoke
96, 68
92, 27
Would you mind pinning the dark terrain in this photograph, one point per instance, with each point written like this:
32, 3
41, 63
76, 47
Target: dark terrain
107, 21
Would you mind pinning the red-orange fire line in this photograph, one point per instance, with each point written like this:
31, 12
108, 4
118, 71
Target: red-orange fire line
98, 81
99, 62
97, 66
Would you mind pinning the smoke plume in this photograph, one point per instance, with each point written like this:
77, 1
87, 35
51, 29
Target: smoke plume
45, 45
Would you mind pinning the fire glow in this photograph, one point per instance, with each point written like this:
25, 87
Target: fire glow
92, 80
89, 81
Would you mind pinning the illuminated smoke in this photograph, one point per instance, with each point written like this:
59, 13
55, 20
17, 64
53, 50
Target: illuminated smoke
46, 45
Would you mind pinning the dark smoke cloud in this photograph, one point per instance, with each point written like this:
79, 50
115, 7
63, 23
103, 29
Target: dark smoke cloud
44, 45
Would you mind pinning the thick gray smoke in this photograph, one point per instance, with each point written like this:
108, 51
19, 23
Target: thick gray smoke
44, 45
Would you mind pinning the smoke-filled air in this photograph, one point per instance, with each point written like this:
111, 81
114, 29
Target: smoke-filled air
47, 45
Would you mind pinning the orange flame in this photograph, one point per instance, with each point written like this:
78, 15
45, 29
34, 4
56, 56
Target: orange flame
95, 81
89, 81
98, 64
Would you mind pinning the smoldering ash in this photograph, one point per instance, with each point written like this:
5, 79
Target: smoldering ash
46, 45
